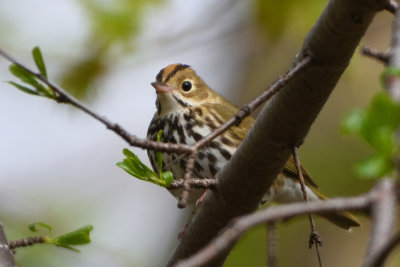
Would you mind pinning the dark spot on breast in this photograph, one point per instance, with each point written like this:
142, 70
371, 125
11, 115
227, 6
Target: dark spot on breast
182, 163
213, 169
210, 123
198, 167
211, 158
226, 141
201, 155
172, 139
213, 144
225, 153
197, 136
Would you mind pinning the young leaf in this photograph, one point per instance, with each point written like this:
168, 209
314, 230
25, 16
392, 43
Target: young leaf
159, 154
24, 89
374, 167
168, 178
23, 75
38, 58
33, 226
80, 236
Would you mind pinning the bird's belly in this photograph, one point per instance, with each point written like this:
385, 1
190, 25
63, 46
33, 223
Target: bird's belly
286, 189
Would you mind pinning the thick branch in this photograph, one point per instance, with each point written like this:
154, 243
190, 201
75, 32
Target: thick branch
282, 124
383, 213
6, 256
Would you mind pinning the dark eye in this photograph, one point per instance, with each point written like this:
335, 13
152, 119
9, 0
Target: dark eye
186, 86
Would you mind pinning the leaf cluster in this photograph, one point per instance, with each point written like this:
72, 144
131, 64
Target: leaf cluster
135, 167
79, 236
378, 126
32, 85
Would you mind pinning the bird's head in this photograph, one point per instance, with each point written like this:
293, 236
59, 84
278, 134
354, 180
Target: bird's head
179, 87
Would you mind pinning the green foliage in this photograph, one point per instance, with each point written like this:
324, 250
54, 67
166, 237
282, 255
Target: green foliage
36, 87
113, 26
79, 236
272, 17
377, 125
132, 165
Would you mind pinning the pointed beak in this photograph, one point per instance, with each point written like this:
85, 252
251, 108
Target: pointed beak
162, 87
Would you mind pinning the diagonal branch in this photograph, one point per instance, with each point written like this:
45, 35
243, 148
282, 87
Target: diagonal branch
282, 124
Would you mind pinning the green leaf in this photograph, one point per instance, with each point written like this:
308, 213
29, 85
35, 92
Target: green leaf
159, 154
389, 71
374, 167
168, 178
80, 236
23, 75
33, 226
353, 122
132, 165
38, 58
24, 89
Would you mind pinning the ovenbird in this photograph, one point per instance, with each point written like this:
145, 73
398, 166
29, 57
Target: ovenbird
187, 110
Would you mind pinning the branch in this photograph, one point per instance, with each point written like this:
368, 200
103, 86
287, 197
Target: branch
237, 227
383, 213
282, 124
6, 256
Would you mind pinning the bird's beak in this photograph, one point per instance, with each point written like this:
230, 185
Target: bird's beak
162, 87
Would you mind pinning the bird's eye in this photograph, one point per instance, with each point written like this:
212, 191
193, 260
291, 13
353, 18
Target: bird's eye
186, 86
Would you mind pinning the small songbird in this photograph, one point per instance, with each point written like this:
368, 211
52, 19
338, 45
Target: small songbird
187, 110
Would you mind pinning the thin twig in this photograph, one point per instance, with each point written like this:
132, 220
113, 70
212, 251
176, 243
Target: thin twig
198, 183
315, 238
238, 226
271, 237
64, 97
183, 198
25, 242
381, 56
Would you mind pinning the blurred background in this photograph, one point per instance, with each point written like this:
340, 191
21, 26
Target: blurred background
58, 165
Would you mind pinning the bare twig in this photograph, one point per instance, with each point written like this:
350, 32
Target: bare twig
381, 56
64, 97
25, 242
315, 238
271, 238
206, 183
182, 202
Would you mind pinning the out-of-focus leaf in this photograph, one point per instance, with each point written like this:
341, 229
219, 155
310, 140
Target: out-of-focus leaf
38, 58
353, 122
33, 226
80, 236
374, 167
23, 88
23, 75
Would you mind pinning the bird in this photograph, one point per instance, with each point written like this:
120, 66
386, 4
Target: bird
187, 110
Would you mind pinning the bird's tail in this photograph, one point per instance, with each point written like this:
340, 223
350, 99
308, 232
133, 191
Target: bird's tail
342, 219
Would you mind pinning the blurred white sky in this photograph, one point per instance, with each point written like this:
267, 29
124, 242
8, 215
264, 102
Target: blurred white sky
58, 165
